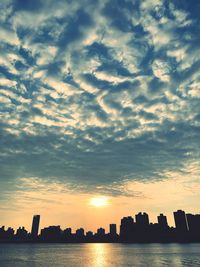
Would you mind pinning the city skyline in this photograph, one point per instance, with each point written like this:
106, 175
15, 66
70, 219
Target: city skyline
139, 229
162, 219
99, 109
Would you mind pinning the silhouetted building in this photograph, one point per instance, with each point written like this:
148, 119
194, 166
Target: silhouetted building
6, 234
51, 233
67, 232
126, 228
35, 225
142, 220
180, 221
10, 232
2, 230
21, 233
101, 232
162, 221
80, 232
193, 223
113, 229
89, 234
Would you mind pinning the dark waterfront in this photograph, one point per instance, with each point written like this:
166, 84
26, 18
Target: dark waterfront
99, 255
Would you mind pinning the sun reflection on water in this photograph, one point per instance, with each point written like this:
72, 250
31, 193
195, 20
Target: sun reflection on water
99, 253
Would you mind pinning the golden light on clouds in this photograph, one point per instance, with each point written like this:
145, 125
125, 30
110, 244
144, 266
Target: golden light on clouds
99, 201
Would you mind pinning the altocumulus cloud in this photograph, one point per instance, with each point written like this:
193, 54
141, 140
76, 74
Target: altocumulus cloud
94, 93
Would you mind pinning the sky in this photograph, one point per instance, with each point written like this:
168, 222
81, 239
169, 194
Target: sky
98, 98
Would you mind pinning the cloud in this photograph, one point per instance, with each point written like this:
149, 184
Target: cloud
95, 95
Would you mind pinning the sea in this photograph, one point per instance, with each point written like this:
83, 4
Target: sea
99, 255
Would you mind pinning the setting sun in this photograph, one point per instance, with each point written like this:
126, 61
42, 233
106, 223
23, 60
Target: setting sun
100, 201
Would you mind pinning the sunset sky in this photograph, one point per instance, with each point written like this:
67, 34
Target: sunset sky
98, 99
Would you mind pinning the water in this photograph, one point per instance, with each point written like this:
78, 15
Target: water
99, 255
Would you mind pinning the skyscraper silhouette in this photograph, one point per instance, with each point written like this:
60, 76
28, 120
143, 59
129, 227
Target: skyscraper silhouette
113, 229
180, 221
35, 225
162, 221
142, 220
127, 228
193, 222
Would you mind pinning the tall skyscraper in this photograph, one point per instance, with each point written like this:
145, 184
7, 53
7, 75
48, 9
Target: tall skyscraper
35, 225
113, 229
162, 221
180, 221
127, 227
193, 223
142, 219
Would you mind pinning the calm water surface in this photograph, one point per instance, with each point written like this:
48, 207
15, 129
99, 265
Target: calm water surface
99, 255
